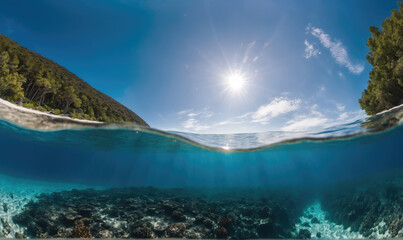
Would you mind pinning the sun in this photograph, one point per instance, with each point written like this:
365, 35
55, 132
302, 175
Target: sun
236, 81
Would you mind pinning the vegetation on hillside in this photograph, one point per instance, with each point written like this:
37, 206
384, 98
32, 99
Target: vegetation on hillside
385, 87
30, 80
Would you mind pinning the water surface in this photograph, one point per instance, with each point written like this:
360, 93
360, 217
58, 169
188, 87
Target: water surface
256, 171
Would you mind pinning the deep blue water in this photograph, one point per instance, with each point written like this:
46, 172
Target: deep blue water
126, 157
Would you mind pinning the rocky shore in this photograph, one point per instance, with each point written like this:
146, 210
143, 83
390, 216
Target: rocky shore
156, 213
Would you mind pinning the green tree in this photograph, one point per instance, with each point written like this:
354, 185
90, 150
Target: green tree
14, 63
11, 87
385, 87
4, 59
70, 97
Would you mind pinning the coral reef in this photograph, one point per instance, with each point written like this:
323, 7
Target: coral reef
80, 230
157, 213
373, 208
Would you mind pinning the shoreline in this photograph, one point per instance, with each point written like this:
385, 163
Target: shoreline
37, 120
20, 108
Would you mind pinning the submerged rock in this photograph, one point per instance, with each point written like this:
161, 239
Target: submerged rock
6, 227
104, 234
304, 234
266, 228
152, 213
314, 220
371, 207
143, 232
176, 230
19, 235
225, 222
5, 207
222, 232
178, 216
208, 223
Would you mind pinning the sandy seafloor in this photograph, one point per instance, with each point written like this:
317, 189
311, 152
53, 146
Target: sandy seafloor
326, 228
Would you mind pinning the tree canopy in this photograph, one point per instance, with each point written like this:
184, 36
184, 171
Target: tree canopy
28, 79
385, 87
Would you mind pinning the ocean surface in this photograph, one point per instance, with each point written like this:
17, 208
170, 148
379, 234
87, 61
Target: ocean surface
342, 182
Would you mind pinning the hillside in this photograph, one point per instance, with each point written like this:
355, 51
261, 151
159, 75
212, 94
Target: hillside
33, 81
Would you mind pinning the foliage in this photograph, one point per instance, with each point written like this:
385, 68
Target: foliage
57, 112
11, 87
30, 80
385, 87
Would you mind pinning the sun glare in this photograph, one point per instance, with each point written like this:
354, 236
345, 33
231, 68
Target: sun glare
236, 81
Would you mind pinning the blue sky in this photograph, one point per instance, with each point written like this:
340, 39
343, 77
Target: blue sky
302, 63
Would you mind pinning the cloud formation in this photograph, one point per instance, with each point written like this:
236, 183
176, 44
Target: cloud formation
192, 117
336, 48
282, 113
277, 106
304, 124
310, 51
194, 124
316, 120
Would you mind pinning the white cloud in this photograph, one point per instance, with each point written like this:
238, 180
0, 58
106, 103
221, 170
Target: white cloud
341, 75
280, 105
190, 123
340, 107
348, 117
305, 124
303, 115
312, 121
315, 112
316, 120
310, 51
343, 116
193, 118
194, 125
336, 48
183, 112
205, 113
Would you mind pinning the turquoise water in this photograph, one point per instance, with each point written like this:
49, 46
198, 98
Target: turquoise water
307, 163
123, 157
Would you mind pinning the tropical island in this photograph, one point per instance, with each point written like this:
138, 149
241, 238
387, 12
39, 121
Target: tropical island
33, 81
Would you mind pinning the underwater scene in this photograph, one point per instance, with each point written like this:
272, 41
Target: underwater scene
202, 119
125, 181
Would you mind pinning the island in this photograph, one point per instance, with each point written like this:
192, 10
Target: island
33, 81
